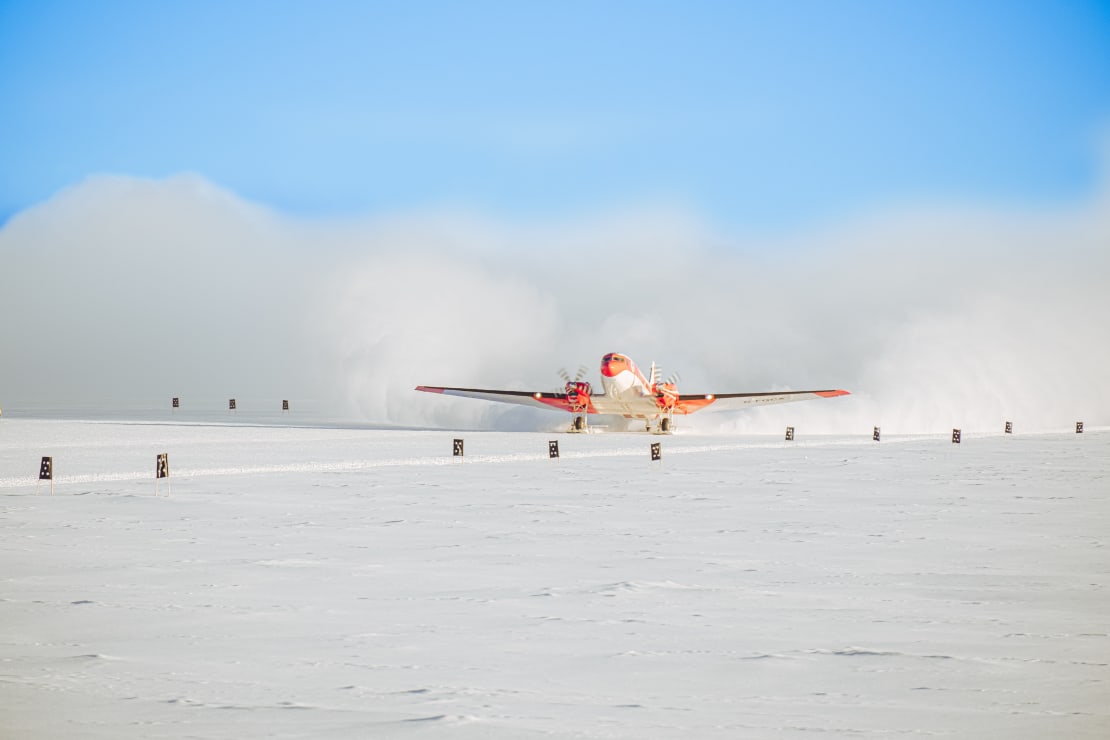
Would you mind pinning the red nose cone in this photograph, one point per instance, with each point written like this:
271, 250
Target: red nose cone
612, 365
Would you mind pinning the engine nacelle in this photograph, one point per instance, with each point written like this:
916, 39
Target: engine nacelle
578, 393
666, 395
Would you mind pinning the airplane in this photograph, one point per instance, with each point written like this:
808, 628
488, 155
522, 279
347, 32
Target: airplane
626, 392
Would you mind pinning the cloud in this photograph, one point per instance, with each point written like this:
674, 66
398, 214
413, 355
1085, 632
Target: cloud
122, 288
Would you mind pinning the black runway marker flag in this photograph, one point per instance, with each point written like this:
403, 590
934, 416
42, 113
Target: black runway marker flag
231, 404
790, 434
876, 434
162, 469
46, 469
955, 436
553, 449
457, 448
656, 451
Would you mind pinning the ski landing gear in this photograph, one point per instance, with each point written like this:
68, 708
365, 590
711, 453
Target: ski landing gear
663, 427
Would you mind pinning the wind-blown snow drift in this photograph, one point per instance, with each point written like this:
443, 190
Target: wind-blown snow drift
123, 288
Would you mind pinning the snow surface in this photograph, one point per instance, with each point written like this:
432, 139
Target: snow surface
338, 583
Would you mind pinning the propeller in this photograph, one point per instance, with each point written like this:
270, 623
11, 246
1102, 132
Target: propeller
582, 370
574, 386
657, 376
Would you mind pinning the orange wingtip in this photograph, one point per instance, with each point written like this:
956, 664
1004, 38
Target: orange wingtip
833, 394
429, 390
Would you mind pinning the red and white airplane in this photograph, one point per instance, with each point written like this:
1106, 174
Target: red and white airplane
626, 392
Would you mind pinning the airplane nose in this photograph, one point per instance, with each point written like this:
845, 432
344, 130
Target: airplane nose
613, 365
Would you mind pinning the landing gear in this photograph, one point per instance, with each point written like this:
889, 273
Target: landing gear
578, 425
665, 425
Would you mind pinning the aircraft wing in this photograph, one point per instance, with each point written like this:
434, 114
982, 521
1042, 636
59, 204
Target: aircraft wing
526, 398
687, 403
597, 404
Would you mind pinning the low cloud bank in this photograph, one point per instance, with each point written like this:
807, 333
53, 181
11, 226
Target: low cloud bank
121, 289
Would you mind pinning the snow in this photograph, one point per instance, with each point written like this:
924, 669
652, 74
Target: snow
336, 583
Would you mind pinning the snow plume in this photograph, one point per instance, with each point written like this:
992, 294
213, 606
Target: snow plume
122, 288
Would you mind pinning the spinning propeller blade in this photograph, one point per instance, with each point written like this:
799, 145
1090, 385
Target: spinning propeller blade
582, 370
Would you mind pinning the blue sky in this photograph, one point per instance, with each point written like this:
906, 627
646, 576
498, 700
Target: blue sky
759, 115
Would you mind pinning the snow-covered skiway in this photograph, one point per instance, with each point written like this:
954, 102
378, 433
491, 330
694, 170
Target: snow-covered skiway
324, 583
